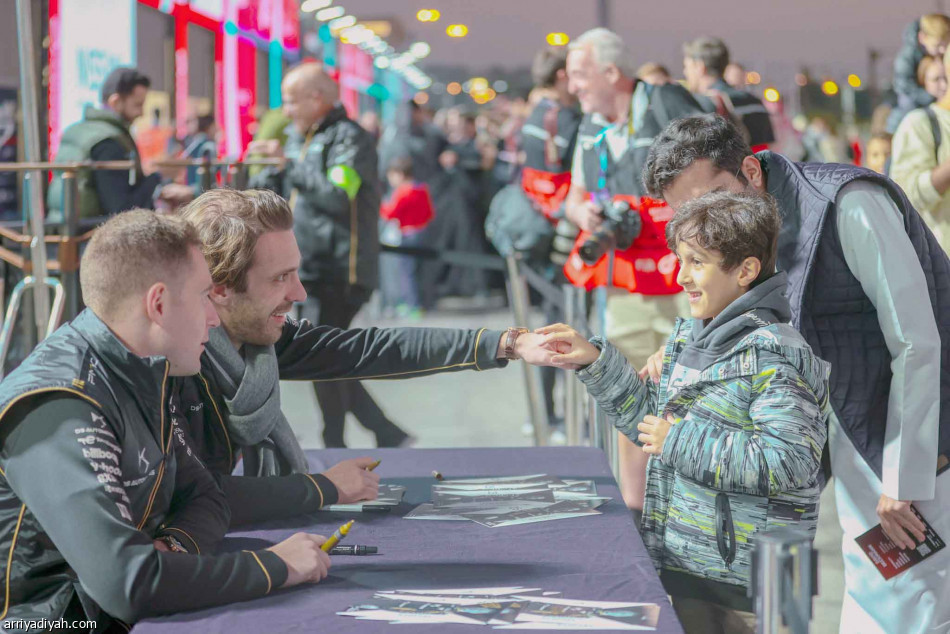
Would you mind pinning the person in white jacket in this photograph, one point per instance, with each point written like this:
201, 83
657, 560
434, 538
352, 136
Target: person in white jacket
920, 163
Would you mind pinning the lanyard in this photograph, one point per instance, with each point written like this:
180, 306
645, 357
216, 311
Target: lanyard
639, 103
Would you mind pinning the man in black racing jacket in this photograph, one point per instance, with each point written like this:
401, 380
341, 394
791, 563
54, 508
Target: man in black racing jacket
102, 500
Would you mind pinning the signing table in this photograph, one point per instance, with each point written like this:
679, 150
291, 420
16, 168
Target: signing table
599, 557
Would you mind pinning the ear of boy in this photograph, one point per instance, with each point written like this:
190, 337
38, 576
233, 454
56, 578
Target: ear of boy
748, 272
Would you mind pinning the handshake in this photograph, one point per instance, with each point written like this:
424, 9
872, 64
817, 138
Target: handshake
560, 346
556, 346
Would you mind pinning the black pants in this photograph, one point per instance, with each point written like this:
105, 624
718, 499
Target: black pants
336, 305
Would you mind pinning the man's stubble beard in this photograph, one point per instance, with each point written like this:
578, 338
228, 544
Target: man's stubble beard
245, 325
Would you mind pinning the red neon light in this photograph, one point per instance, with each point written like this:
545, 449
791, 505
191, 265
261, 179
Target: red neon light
55, 71
219, 89
181, 70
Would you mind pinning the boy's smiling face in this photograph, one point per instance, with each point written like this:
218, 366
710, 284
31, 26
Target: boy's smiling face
710, 288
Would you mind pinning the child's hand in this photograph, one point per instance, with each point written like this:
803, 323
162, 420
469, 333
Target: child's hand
654, 367
573, 350
653, 431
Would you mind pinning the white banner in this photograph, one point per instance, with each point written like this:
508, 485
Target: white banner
89, 39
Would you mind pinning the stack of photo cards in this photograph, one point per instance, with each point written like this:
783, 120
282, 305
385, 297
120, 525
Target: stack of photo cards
513, 608
389, 495
510, 500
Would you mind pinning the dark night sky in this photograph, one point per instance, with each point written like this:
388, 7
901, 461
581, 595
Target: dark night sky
772, 37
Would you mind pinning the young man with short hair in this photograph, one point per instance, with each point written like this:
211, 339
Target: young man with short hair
232, 406
868, 286
736, 424
104, 503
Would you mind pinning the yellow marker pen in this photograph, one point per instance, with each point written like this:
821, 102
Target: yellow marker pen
336, 537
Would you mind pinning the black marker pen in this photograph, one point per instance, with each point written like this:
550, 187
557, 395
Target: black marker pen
353, 550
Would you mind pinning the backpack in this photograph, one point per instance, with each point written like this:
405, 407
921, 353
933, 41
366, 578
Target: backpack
726, 109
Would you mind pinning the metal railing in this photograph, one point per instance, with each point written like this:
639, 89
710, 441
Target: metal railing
784, 581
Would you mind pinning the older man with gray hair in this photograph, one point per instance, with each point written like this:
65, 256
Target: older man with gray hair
622, 115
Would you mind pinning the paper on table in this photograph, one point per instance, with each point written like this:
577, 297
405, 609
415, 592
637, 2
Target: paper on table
469, 591
499, 479
586, 614
391, 491
442, 498
576, 486
556, 511
450, 599
584, 603
532, 625
430, 512
494, 486
493, 523
590, 502
389, 495
396, 608
454, 512
401, 617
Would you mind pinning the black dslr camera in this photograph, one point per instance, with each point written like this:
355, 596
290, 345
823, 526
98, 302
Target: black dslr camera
622, 225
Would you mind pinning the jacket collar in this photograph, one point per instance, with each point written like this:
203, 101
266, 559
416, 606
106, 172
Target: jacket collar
144, 376
106, 116
335, 114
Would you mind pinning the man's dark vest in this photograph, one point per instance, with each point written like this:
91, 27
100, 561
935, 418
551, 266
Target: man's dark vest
829, 306
84, 359
76, 145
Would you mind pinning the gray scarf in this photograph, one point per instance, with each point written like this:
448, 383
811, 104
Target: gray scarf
765, 303
251, 391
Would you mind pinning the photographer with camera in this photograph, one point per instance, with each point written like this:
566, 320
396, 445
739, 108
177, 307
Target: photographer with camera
622, 115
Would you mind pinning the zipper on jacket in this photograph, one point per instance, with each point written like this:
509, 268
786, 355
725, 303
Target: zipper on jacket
724, 527
164, 445
217, 412
354, 241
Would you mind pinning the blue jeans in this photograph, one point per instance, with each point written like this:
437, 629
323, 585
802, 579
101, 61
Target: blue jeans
399, 274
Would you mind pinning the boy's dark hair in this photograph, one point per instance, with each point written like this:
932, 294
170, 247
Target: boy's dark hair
122, 81
547, 63
402, 165
711, 51
737, 225
691, 139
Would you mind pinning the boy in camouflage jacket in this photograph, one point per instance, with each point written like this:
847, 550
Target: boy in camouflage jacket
736, 425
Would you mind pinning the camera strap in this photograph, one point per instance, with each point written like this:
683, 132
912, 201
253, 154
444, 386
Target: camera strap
639, 104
